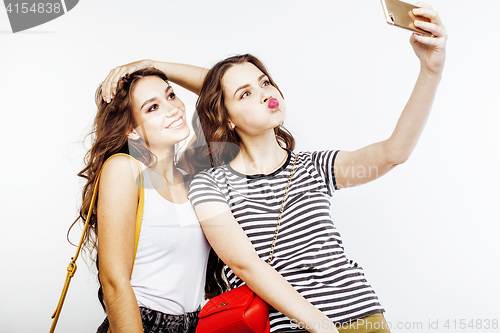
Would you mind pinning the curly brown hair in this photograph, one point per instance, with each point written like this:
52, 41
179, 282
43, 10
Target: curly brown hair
109, 135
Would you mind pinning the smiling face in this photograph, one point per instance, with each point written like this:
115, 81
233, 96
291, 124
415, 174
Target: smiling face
159, 115
253, 104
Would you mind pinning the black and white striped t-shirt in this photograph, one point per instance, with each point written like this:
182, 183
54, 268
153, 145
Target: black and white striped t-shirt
309, 251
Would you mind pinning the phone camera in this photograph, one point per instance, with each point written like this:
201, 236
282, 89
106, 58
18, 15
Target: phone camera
391, 15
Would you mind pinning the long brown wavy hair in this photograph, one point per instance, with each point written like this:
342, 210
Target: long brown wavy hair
112, 124
216, 144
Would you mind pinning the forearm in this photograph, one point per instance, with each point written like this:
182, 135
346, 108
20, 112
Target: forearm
187, 76
276, 291
122, 309
412, 121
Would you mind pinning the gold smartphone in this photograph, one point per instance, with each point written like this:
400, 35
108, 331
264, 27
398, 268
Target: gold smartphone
399, 14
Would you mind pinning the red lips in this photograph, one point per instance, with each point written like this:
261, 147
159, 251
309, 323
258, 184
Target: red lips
273, 103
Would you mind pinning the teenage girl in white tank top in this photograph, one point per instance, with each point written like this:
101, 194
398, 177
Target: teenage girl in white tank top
145, 119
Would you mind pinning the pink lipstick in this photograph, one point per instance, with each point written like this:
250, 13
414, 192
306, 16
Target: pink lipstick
273, 103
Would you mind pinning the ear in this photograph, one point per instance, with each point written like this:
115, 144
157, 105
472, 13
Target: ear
133, 136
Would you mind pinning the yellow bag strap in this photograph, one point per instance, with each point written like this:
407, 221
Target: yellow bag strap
72, 265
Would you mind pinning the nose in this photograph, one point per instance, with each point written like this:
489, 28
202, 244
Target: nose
172, 111
266, 99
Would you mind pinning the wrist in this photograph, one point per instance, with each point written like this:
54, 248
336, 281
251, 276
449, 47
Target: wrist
162, 66
431, 74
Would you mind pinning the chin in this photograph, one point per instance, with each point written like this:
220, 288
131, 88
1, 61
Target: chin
280, 119
186, 134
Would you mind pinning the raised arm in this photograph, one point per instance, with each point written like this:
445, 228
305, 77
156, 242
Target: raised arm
116, 211
187, 76
371, 162
232, 245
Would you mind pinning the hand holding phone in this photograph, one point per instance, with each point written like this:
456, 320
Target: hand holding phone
400, 14
429, 37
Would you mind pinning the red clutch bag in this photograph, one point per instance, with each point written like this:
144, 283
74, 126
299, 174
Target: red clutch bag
238, 310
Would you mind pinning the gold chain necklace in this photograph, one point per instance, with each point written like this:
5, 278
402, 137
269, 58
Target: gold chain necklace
278, 224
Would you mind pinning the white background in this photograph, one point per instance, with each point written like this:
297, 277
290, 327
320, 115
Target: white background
426, 234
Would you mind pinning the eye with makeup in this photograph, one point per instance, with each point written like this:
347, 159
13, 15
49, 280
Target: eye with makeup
265, 83
153, 107
170, 94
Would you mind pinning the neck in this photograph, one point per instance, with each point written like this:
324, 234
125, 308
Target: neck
165, 165
259, 155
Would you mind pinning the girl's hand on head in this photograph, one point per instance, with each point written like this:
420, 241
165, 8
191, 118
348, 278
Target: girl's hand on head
109, 84
430, 50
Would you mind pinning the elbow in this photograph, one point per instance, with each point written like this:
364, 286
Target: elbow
396, 155
241, 270
399, 159
245, 269
113, 285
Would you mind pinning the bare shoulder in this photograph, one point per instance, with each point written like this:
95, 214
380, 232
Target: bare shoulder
121, 170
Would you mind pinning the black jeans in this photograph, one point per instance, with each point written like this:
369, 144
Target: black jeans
159, 322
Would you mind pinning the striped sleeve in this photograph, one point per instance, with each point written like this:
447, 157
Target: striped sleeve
324, 162
204, 189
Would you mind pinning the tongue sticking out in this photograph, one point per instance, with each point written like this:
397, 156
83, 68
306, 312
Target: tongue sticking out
273, 103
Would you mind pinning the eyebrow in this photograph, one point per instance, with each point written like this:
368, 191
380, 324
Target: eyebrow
154, 98
248, 85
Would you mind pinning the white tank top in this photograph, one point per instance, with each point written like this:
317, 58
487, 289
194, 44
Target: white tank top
171, 262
